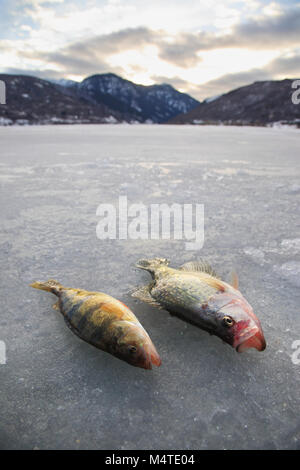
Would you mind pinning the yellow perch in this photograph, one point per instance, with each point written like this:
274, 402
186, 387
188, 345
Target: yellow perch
104, 322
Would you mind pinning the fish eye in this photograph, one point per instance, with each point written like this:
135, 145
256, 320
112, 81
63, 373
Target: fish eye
228, 321
132, 349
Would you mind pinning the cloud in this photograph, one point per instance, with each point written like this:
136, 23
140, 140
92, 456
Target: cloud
263, 33
183, 50
282, 29
113, 43
278, 69
66, 45
231, 81
176, 82
91, 56
44, 74
287, 65
182, 85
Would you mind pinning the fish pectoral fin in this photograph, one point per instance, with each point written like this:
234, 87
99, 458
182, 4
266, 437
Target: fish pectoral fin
234, 280
199, 266
171, 313
72, 328
143, 294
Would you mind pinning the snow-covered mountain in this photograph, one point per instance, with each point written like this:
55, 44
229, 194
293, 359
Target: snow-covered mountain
63, 82
30, 100
261, 103
155, 103
108, 98
97, 99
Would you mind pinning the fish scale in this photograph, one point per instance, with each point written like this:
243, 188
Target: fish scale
183, 289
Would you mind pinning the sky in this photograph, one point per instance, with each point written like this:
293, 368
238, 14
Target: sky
203, 48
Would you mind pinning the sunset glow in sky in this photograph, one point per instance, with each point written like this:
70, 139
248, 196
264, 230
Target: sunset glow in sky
203, 48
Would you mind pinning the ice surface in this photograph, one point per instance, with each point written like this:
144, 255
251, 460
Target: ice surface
59, 392
291, 271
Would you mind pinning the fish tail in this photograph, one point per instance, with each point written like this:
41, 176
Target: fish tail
50, 286
152, 264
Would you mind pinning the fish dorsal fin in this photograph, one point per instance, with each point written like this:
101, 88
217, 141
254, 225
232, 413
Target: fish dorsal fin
199, 266
234, 280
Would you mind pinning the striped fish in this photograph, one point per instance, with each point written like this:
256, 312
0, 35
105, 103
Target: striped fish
104, 322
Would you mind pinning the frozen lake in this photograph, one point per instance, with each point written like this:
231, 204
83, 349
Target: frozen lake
59, 392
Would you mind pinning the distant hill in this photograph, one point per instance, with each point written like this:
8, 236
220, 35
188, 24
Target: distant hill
155, 103
97, 99
30, 100
260, 103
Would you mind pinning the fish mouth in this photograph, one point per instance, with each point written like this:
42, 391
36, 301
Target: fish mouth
155, 359
254, 339
152, 357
